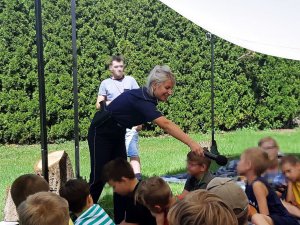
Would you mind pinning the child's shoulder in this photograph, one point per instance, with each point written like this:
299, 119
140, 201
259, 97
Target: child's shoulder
260, 182
259, 185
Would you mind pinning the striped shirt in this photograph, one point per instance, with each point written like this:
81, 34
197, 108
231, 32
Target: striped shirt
95, 215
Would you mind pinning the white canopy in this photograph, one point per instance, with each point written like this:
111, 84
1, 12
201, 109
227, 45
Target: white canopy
267, 26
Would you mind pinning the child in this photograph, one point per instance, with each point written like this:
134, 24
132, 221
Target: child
26, 185
201, 207
261, 196
44, 208
290, 166
273, 174
119, 175
197, 167
77, 193
156, 195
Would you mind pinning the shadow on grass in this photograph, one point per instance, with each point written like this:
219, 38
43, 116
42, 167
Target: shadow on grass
106, 202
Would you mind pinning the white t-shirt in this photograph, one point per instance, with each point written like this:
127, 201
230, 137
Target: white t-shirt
113, 88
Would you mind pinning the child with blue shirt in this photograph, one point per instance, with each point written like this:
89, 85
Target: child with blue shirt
254, 162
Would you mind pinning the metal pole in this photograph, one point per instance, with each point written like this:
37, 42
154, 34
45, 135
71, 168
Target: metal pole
75, 89
214, 148
42, 98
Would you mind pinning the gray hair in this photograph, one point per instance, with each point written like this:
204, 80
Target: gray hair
158, 75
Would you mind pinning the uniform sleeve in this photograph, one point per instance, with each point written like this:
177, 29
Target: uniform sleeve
102, 89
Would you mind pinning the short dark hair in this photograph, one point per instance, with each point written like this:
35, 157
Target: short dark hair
116, 169
201, 160
117, 58
75, 191
25, 185
293, 160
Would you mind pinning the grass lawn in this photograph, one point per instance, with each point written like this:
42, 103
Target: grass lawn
161, 155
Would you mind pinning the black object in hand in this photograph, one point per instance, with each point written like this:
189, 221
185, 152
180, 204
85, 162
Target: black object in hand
220, 159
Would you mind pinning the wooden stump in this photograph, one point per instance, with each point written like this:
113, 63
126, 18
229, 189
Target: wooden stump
60, 171
59, 168
10, 211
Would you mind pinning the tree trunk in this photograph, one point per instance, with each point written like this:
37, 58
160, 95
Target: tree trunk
60, 169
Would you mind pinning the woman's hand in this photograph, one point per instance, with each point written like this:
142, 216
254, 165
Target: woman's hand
196, 147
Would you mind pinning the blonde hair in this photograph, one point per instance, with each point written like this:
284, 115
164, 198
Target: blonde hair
158, 75
153, 191
268, 139
201, 207
259, 159
44, 208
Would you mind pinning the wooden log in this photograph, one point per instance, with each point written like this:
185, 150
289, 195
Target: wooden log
10, 211
60, 169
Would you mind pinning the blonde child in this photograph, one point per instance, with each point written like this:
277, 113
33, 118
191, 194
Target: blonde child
44, 208
201, 207
273, 174
254, 162
290, 166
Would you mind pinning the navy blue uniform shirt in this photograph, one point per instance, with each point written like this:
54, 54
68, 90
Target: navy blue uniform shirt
134, 107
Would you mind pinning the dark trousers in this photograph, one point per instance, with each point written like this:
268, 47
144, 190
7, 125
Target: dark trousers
106, 142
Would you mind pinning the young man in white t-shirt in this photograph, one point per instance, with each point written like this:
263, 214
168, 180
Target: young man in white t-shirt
111, 88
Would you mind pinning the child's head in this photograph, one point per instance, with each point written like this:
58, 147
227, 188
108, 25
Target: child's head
119, 173
77, 193
154, 193
197, 164
290, 166
253, 159
270, 146
26, 185
44, 208
201, 207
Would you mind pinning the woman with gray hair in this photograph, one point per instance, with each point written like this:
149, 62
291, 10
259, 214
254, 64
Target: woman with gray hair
131, 108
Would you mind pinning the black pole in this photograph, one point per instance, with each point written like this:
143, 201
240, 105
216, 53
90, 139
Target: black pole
75, 88
214, 148
42, 97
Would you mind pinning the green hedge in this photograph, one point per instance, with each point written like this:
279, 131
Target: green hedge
252, 90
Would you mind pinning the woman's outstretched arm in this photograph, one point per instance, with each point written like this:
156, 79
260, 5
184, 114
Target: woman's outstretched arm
172, 129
